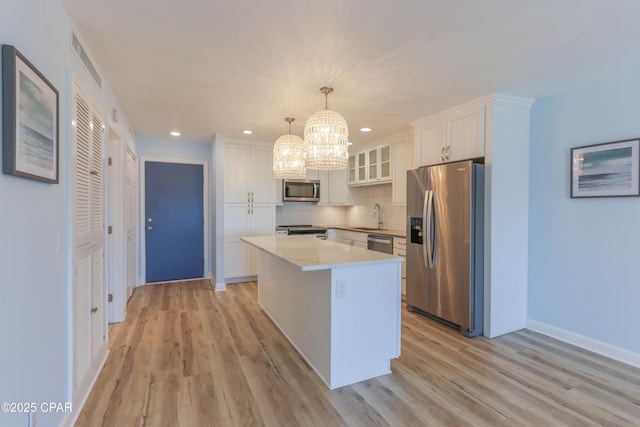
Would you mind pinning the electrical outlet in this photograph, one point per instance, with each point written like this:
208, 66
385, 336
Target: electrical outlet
341, 288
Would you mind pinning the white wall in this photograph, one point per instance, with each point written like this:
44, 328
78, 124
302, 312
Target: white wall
583, 253
35, 275
216, 173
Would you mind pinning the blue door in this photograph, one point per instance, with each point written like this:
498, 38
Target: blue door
174, 223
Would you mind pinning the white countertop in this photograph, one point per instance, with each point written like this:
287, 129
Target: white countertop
317, 254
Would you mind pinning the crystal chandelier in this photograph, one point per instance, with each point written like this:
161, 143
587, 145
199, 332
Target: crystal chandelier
326, 139
288, 156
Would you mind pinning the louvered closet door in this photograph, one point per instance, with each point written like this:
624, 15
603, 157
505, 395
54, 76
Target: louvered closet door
89, 323
82, 168
97, 178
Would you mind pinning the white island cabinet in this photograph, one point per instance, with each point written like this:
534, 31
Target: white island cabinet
338, 305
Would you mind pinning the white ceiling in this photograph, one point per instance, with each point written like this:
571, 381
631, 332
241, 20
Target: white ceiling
221, 66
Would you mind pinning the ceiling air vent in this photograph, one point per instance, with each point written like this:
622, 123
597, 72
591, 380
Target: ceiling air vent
84, 58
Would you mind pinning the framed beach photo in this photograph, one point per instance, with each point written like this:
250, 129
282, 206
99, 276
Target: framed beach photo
605, 170
30, 142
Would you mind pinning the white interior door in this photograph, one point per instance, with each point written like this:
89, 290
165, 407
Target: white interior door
98, 315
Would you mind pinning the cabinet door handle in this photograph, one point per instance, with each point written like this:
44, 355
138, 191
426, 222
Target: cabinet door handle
447, 152
442, 154
94, 310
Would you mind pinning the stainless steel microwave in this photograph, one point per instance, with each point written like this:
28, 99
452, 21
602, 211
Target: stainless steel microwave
300, 190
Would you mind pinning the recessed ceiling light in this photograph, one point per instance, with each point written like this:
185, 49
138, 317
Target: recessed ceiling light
175, 133
365, 129
247, 132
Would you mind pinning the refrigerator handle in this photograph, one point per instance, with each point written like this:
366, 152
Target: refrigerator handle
428, 225
425, 239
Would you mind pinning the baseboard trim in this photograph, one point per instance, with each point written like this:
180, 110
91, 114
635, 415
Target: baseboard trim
219, 286
174, 281
599, 347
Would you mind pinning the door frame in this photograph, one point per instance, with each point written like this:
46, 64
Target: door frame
114, 217
205, 212
136, 243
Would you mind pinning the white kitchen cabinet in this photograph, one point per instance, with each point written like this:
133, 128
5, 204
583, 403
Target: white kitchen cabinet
430, 137
361, 168
249, 208
379, 164
352, 170
400, 249
456, 134
243, 220
465, 133
250, 175
312, 175
401, 164
371, 166
333, 188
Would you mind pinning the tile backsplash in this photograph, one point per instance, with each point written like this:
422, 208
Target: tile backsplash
298, 213
359, 214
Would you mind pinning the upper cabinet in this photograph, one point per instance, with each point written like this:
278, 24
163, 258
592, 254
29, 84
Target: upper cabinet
401, 164
371, 166
456, 134
333, 186
251, 176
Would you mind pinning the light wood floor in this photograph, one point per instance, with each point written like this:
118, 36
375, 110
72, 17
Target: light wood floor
187, 356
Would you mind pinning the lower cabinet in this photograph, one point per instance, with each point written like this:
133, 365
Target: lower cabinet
89, 314
400, 249
359, 240
241, 220
351, 238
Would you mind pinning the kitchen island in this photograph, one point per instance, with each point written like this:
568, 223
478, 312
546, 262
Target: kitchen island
338, 305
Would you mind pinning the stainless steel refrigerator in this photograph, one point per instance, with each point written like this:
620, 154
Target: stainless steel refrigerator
445, 238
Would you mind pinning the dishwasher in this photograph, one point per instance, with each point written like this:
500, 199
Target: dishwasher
380, 243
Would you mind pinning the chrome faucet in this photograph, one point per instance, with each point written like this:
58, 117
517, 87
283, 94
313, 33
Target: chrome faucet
377, 213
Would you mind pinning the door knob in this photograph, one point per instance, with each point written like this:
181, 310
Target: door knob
149, 219
149, 228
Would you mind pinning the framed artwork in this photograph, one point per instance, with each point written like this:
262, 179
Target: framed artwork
30, 141
605, 170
